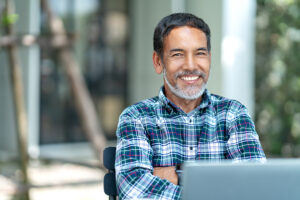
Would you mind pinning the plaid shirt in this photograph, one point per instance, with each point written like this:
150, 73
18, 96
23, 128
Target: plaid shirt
155, 133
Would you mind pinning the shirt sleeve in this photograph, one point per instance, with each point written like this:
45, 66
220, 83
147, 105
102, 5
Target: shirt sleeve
243, 143
134, 171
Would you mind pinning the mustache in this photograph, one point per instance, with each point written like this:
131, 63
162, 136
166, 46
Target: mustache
185, 73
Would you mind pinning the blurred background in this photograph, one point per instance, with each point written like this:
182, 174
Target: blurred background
255, 59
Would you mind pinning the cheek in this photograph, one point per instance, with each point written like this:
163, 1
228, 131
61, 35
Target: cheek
205, 65
207, 74
174, 63
172, 67
207, 69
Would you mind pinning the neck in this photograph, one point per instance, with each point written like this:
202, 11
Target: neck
185, 105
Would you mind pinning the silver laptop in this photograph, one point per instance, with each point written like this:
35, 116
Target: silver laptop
273, 180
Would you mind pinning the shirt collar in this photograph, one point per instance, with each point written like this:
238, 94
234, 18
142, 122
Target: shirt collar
170, 106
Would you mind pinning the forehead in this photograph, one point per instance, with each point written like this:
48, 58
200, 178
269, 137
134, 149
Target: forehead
185, 37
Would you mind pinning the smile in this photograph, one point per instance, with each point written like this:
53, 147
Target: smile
189, 78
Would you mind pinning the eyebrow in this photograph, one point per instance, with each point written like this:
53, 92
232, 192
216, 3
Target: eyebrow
199, 49
173, 50
202, 49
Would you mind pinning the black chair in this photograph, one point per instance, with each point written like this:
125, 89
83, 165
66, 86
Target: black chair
110, 187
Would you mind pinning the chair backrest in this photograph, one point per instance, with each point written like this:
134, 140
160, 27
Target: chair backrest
110, 187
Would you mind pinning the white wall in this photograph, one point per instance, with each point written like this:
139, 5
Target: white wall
238, 50
143, 81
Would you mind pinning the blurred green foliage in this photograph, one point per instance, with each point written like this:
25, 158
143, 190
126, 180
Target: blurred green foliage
9, 19
278, 76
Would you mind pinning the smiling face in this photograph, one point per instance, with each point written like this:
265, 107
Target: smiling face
185, 63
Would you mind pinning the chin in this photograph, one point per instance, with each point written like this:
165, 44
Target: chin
191, 93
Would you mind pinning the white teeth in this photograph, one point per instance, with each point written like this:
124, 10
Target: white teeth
189, 78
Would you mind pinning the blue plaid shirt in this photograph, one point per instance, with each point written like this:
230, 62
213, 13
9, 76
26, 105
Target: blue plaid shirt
156, 133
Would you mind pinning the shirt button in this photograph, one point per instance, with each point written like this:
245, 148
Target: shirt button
186, 119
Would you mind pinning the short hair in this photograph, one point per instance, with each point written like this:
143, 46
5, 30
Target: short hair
172, 21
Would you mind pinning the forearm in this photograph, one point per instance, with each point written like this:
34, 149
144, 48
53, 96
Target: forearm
141, 183
167, 173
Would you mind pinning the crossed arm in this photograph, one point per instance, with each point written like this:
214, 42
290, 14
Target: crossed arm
135, 175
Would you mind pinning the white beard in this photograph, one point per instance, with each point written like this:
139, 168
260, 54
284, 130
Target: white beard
190, 93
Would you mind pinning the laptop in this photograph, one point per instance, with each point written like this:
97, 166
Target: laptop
273, 180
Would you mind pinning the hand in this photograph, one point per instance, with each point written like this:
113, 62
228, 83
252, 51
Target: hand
168, 173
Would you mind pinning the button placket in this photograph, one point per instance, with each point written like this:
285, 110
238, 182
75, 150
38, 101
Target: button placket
191, 143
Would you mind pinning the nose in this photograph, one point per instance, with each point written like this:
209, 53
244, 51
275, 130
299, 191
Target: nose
190, 62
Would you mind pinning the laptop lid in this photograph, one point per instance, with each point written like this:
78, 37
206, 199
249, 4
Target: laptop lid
273, 180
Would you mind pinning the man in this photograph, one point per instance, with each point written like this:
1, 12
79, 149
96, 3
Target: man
185, 122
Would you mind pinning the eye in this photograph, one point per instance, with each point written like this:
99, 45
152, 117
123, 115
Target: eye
201, 53
177, 54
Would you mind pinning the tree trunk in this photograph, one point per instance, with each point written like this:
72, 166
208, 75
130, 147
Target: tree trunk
83, 102
19, 102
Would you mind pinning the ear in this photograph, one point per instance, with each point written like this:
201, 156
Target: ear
157, 63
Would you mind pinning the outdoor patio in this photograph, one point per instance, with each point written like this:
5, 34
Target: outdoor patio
53, 180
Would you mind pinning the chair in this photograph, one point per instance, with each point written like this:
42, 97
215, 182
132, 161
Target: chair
110, 187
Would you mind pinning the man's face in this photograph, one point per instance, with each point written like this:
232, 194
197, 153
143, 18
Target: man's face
186, 62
